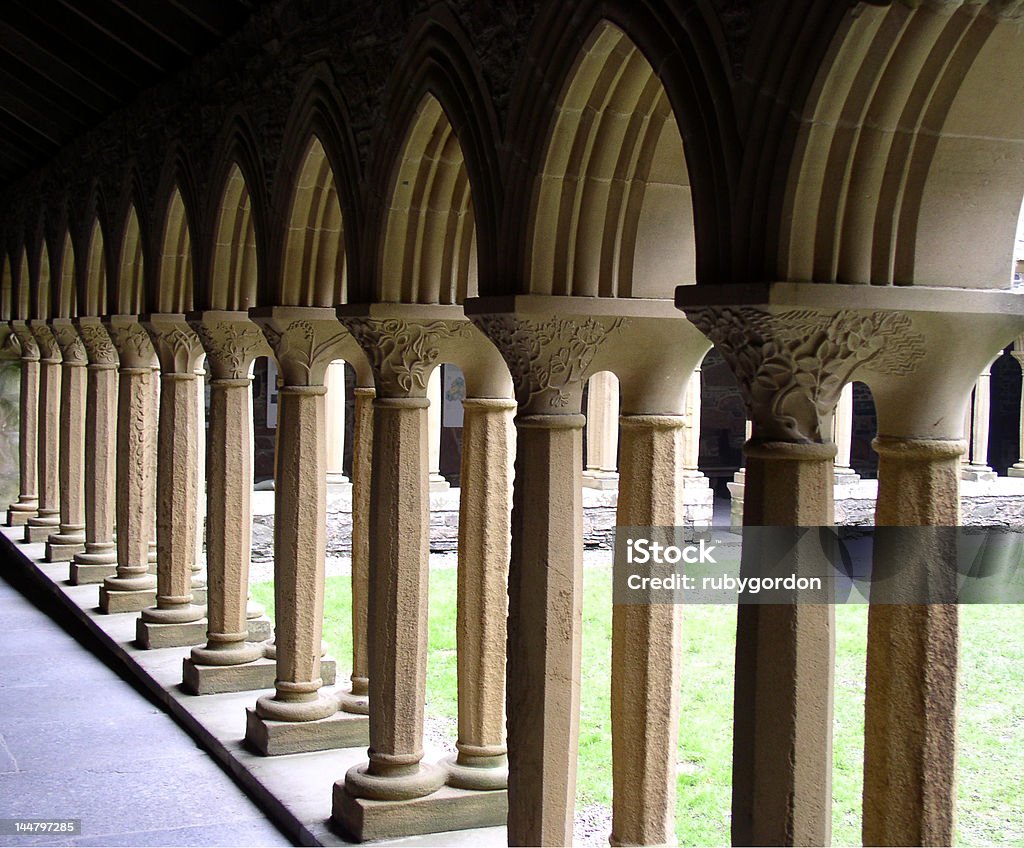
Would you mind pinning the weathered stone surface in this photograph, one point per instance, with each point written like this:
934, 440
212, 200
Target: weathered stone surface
274, 738
153, 635
252, 676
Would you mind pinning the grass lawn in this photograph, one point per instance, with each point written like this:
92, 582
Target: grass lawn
991, 708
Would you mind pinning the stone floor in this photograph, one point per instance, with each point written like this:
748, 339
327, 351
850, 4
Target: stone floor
77, 741
125, 777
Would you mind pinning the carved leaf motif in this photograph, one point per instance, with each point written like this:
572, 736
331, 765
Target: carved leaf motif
232, 344
552, 355
792, 366
98, 344
71, 346
402, 353
29, 347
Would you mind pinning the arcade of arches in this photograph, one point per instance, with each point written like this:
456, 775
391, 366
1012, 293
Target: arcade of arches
536, 193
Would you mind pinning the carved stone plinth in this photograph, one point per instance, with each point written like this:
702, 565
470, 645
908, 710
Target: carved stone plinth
150, 634
241, 677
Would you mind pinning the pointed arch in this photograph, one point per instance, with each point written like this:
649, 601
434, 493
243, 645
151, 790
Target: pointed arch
613, 212
428, 253
440, 146
65, 300
93, 291
129, 288
42, 285
686, 83
233, 264
318, 198
174, 284
6, 290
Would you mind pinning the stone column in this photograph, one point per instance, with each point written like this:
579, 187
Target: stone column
484, 549
133, 588
334, 404
231, 342
978, 469
27, 504
99, 559
1017, 469
910, 704
782, 725
198, 580
357, 699
175, 620
305, 341
437, 482
602, 431
545, 569
62, 546
842, 435
47, 520
646, 642
402, 355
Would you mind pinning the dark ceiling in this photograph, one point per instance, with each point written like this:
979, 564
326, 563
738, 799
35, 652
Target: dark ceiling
67, 64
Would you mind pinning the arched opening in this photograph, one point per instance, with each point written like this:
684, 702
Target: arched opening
428, 254
67, 302
93, 299
613, 214
314, 271
129, 294
174, 282
233, 282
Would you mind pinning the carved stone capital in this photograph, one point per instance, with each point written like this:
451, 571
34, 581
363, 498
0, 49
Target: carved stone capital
177, 346
99, 347
49, 351
134, 348
402, 352
10, 349
231, 342
71, 348
550, 358
305, 340
792, 365
26, 341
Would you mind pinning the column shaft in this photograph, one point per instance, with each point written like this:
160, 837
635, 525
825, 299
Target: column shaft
484, 549
28, 432
100, 465
602, 429
782, 743
910, 704
228, 524
48, 447
646, 644
356, 701
71, 538
544, 629
300, 539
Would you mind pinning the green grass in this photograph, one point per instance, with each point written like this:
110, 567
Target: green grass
990, 720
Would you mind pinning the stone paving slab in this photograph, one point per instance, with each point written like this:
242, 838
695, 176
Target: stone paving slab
294, 790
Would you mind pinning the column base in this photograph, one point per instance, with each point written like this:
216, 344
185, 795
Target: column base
444, 810
199, 596
130, 600
606, 481
19, 514
248, 677
735, 503
63, 548
846, 477
1016, 470
84, 571
480, 777
438, 483
150, 634
978, 473
274, 738
35, 532
357, 704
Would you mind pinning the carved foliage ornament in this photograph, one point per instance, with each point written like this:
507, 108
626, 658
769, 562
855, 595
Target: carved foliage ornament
177, 347
71, 346
49, 351
98, 344
300, 348
548, 356
792, 366
402, 353
27, 342
231, 345
133, 344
